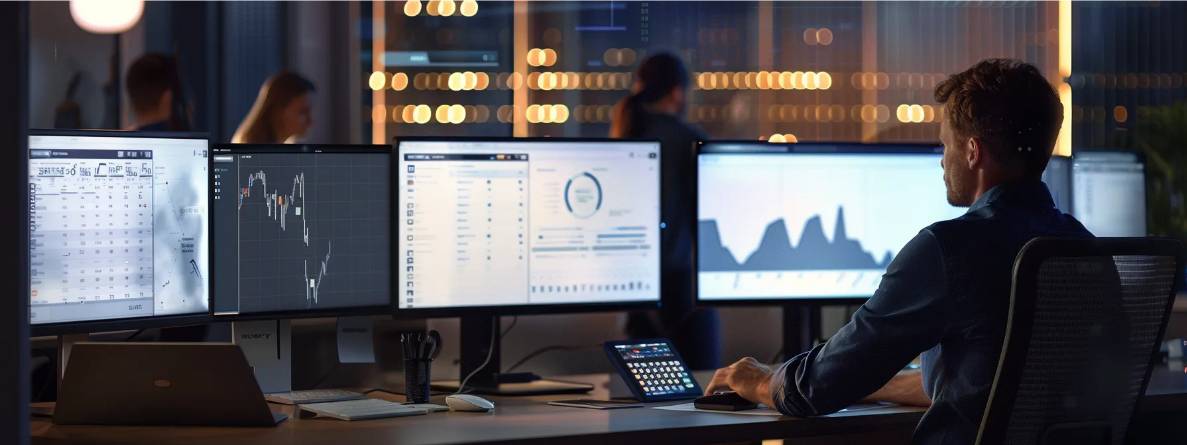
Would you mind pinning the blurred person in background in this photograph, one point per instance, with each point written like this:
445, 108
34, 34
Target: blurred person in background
655, 110
281, 114
154, 87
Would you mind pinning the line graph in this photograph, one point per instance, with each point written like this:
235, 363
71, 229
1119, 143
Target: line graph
278, 205
311, 230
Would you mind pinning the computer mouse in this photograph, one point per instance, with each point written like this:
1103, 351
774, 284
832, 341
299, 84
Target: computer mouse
468, 403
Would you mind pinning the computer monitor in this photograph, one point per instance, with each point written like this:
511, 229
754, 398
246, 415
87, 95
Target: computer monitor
1058, 177
810, 221
301, 230
516, 226
118, 230
1109, 192
527, 225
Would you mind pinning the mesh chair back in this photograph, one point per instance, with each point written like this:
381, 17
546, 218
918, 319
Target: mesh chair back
1086, 318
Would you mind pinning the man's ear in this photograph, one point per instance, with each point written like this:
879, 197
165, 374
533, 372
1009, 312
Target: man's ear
974, 153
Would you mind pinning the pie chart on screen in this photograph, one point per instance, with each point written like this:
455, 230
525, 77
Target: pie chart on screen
583, 195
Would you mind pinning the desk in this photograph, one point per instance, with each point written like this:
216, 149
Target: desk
529, 420
516, 419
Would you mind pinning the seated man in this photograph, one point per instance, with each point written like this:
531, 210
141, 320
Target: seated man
947, 293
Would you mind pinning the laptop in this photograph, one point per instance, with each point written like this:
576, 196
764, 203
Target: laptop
161, 384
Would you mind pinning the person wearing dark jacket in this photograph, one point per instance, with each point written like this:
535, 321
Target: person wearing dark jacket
946, 295
654, 110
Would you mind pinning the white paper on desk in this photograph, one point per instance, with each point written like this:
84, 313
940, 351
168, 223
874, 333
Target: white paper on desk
762, 410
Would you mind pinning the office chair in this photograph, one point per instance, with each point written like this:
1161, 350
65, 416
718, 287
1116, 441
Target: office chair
1085, 322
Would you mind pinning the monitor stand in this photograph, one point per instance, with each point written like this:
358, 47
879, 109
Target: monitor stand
65, 344
267, 344
479, 334
801, 329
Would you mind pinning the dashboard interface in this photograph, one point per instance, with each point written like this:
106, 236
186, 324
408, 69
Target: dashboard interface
508, 223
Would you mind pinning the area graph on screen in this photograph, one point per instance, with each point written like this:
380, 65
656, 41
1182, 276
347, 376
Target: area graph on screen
814, 251
822, 225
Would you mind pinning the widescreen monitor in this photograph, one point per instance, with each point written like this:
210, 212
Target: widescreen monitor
301, 230
527, 225
810, 221
118, 230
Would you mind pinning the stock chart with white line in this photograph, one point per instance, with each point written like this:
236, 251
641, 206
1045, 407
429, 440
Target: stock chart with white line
302, 228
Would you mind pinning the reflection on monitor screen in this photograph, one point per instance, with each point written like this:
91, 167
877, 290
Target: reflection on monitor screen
301, 228
527, 223
118, 228
1110, 193
812, 224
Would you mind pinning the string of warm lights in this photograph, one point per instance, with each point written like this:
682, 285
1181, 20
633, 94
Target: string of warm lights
421, 114
441, 8
780, 138
915, 113
764, 80
710, 80
905, 113
542, 57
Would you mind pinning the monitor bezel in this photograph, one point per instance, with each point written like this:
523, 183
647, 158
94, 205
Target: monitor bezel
520, 309
384, 309
129, 323
704, 147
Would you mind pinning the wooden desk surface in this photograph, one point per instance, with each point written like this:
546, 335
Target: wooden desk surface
516, 419
529, 419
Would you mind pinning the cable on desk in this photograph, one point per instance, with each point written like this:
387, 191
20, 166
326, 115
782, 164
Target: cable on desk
490, 353
327, 375
537, 352
514, 321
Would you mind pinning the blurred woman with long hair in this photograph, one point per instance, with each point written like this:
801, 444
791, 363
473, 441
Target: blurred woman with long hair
281, 113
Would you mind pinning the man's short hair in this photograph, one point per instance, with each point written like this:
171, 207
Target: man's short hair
1009, 107
148, 78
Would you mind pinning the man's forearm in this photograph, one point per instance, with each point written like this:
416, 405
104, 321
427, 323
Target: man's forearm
905, 388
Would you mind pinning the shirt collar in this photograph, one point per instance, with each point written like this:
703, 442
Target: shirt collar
1014, 194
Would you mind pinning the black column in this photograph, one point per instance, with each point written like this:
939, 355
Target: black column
479, 334
14, 313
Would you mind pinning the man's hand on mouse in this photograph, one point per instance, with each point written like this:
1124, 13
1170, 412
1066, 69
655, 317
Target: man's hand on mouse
747, 377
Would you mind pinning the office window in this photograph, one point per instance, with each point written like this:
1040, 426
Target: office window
760, 70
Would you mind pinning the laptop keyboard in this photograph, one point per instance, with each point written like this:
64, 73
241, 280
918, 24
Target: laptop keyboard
363, 409
313, 396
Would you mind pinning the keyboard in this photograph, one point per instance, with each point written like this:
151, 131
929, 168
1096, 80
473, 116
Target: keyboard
363, 409
313, 396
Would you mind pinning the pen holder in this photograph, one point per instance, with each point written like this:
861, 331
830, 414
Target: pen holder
416, 380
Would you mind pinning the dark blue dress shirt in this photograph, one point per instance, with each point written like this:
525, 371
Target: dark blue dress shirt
945, 296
